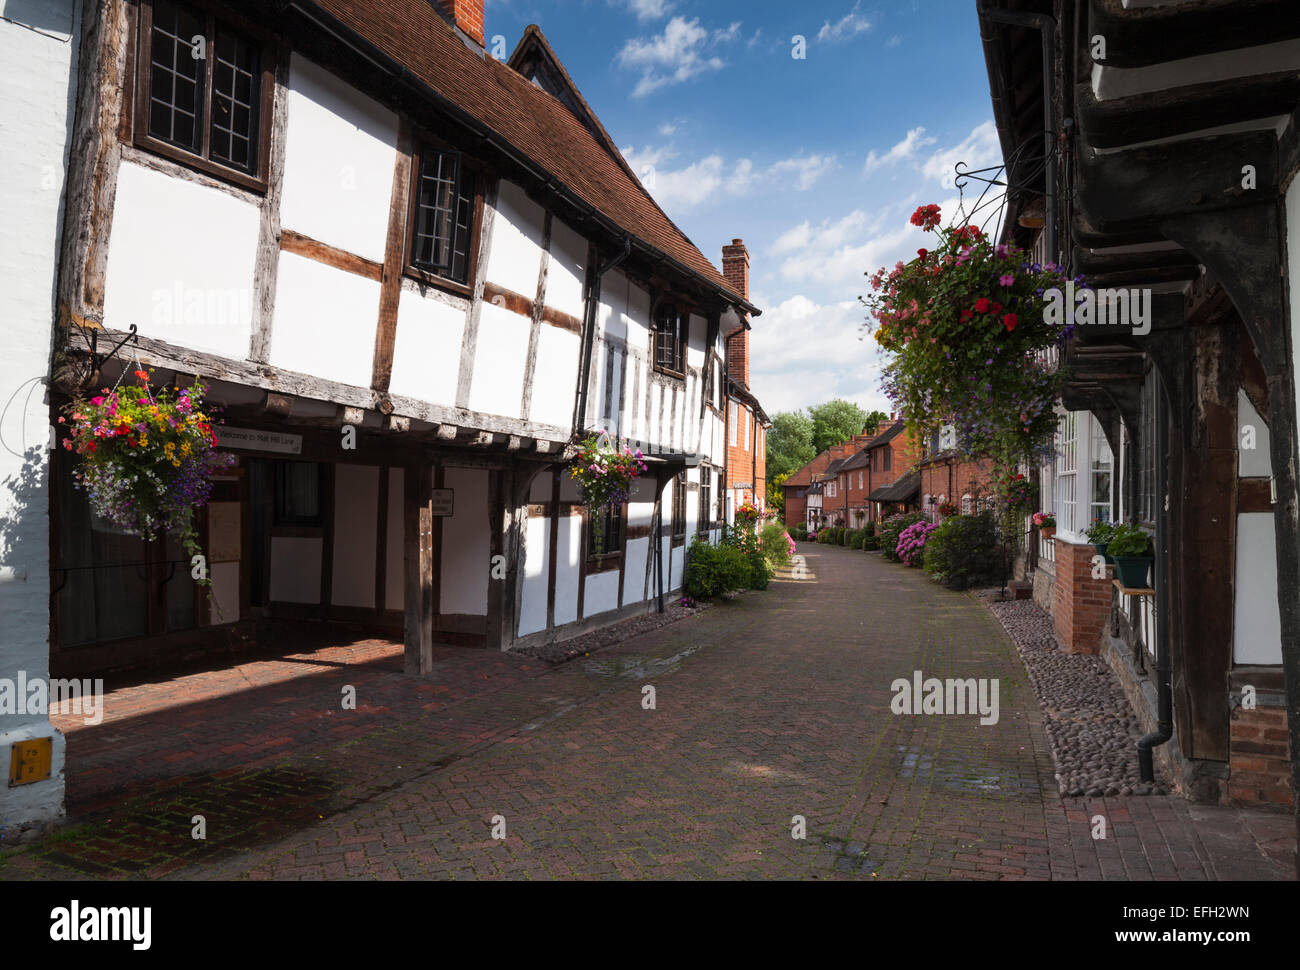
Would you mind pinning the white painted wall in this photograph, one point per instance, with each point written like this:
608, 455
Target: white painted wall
1253, 462
426, 354
356, 535
180, 263
532, 609
569, 547
601, 595
567, 270
501, 360
554, 376
38, 50
466, 544
340, 151
515, 256
325, 321
1257, 628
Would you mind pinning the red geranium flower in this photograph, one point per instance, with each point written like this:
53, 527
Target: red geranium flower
922, 253
982, 305
1010, 321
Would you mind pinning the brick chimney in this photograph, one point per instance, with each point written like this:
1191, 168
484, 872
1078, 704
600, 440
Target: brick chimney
467, 15
735, 267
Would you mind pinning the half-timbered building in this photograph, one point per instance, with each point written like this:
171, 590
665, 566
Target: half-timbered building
413, 277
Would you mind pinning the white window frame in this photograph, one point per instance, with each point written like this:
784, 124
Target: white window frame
735, 419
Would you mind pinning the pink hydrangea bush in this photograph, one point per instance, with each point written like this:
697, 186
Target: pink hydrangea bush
911, 543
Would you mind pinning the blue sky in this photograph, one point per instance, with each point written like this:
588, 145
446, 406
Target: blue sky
816, 162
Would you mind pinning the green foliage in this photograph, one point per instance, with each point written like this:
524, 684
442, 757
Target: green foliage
774, 544
870, 541
713, 570
892, 528
789, 444
1100, 532
856, 537
776, 492
825, 536
799, 532
1128, 540
758, 570
963, 551
835, 421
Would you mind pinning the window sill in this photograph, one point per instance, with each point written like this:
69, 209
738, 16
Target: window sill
199, 164
440, 282
604, 564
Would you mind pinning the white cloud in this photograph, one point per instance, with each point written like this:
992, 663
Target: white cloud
979, 149
669, 128
915, 140
684, 188
803, 353
848, 26
894, 41
828, 235
678, 54
806, 170
650, 9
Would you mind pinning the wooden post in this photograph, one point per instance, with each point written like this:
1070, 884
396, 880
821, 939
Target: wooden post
417, 536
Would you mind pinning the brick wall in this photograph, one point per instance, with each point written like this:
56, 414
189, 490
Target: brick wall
1081, 606
1259, 758
956, 479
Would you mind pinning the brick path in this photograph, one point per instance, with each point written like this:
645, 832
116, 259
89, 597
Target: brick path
768, 707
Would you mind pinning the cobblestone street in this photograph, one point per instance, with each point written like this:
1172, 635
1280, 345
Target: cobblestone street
771, 706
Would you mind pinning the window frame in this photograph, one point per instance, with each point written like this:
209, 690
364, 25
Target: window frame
599, 562
679, 509
284, 524
704, 522
268, 64
683, 311
424, 142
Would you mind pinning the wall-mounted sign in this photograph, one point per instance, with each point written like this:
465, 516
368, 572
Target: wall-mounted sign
253, 440
444, 501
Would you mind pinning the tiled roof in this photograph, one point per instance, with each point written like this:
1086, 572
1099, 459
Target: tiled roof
520, 115
903, 490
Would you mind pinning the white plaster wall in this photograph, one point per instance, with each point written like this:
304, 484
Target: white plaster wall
198, 294
466, 559
699, 332
554, 376
567, 270
532, 609
569, 547
500, 361
1253, 462
325, 321
1257, 628
515, 256
356, 535
38, 48
340, 151
395, 573
426, 355
295, 569
679, 565
601, 594
637, 552
225, 592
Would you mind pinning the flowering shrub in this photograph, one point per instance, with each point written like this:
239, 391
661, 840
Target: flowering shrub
776, 544
146, 459
963, 551
948, 509
892, 528
911, 543
1018, 492
1044, 520
713, 570
964, 326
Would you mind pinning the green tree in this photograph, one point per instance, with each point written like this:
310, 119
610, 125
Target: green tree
874, 420
835, 421
789, 444
775, 493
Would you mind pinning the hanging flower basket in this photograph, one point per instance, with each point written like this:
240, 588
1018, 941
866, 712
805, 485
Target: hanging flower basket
605, 476
147, 458
966, 327
747, 515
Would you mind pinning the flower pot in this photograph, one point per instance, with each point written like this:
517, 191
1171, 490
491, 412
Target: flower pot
1101, 551
1131, 571
1048, 531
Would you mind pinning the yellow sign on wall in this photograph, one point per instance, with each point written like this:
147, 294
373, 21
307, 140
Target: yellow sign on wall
30, 761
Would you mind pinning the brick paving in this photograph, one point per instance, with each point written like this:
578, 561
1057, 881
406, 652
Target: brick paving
771, 706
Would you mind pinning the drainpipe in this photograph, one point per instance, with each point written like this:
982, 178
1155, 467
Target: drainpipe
1046, 27
589, 335
1164, 694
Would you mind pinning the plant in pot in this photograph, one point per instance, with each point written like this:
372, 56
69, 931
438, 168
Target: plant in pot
1099, 534
1046, 523
1131, 549
605, 475
947, 509
147, 458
